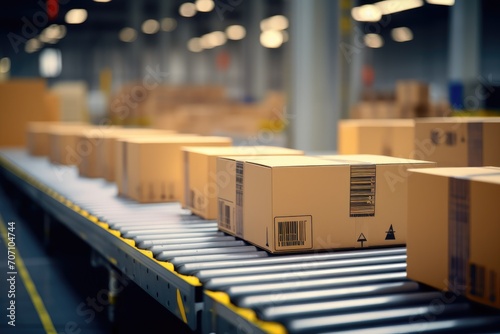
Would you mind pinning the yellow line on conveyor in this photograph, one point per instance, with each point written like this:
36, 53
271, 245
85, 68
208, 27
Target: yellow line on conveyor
30, 286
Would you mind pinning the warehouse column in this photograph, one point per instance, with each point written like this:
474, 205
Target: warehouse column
165, 37
136, 17
314, 74
255, 62
464, 57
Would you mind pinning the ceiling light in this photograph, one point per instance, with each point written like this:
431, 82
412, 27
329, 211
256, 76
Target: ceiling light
277, 22
76, 16
271, 39
127, 35
217, 38
441, 2
235, 32
395, 6
168, 24
194, 45
4, 65
50, 63
285, 36
206, 42
204, 6
150, 26
102, 1
373, 41
187, 9
401, 34
32, 45
366, 13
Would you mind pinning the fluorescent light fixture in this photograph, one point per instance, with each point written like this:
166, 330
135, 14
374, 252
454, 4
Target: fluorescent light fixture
127, 35
204, 6
271, 39
187, 9
277, 22
194, 45
50, 63
32, 45
168, 24
396, 6
402, 34
441, 2
373, 41
4, 65
150, 26
76, 16
366, 13
102, 1
236, 32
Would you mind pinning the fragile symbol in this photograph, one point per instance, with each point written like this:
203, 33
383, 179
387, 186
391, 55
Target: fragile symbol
362, 239
390, 234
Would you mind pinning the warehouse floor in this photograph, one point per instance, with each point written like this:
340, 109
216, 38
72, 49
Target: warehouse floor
65, 281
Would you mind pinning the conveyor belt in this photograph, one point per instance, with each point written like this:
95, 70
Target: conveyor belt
191, 267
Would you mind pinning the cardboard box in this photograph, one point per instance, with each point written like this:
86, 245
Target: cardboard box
459, 141
37, 138
453, 231
63, 147
299, 203
390, 137
154, 166
200, 179
99, 155
412, 93
23, 101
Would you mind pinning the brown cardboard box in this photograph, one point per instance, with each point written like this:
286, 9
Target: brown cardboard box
200, 182
63, 141
391, 137
22, 101
459, 141
107, 151
154, 167
453, 230
412, 93
37, 134
298, 203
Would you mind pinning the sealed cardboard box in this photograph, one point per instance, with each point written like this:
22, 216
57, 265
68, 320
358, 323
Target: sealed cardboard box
390, 137
453, 231
99, 155
299, 203
459, 141
37, 138
154, 166
63, 139
200, 179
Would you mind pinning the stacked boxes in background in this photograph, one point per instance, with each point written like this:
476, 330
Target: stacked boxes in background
391, 137
201, 177
154, 166
412, 98
297, 203
460, 141
453, 231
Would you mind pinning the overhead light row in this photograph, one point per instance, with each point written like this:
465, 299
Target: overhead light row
374, 12
149, 27
216, 38
189, 9
401, 34
76, 16
50, 35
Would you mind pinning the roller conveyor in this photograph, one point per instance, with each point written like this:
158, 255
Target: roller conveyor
198, 272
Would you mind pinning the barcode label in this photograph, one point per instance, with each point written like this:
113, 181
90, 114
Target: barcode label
293, 232
458, 232
362, 195
239, 198
224, 215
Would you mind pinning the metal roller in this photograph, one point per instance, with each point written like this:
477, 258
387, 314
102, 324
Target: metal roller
158, 249
303, 275
166, 256
288, 259
250, 254
173, 236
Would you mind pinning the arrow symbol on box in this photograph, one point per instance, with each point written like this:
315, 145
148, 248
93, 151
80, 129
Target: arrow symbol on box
362, 239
